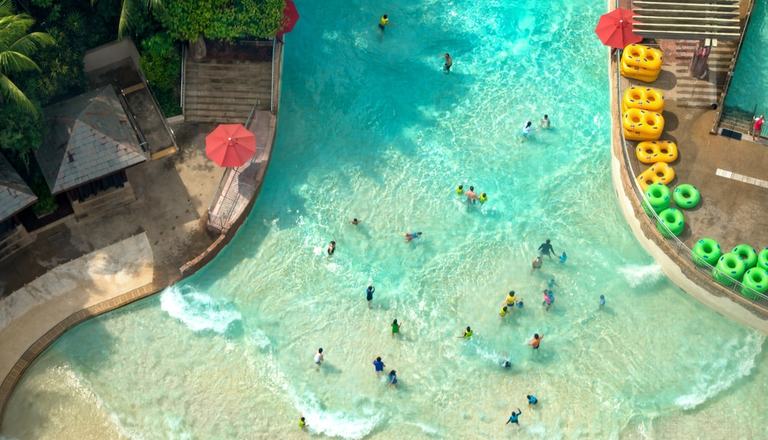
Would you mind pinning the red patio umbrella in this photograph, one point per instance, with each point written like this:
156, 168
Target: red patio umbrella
615, 29
290, 17
230, 145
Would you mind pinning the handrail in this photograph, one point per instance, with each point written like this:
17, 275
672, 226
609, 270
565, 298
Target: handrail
183, 84
681, 247
272, 81
731, 68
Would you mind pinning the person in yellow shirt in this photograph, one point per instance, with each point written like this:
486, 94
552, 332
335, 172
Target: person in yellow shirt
383, 22
503, 311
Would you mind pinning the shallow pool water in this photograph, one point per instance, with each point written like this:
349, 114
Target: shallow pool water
370, 127
749, 86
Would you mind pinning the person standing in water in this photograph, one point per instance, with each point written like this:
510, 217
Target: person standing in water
319, 357
513, 418
460, 190
355, 221
395, 328
471, 195
532, 400
536, 264
563, 258
369, 294
548, 299
527, 129
383, 22
302, 423
467, 333
448, 62
331, 248
546, 249
536, 341
378, 365
503, 312
392, 378
602, 301
545, 122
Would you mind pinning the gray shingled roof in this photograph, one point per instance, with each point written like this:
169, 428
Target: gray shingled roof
15, 195
87, 137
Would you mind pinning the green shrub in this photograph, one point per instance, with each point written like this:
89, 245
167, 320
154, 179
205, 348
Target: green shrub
161, 63
221, 19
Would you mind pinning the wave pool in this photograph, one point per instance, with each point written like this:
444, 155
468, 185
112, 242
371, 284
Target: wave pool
370, 127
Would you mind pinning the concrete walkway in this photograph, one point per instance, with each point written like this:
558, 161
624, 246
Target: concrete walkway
30, 312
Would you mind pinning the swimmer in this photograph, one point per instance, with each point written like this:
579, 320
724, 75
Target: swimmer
319, 357
602, 301
355, 221
520, 304
302, 423
378, 365
545, 122
510, 298
395, 327
471, 196
536, 341
563, 257
410, 236
331, 248
383, 22
503, 311
551, 284
392, 378
369, 295
513, 418
467, 333
536, 264
532, 400
547, 303
460, 190
483, 198
546, 249
506, 364
448, 62
527, 129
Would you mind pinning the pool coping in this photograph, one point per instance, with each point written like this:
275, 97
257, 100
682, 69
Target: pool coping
160, 281
681, 271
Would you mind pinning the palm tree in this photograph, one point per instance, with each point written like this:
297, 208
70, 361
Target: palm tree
126, 6
16, 48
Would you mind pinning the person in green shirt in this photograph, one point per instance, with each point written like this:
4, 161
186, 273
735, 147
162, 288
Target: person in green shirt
302, 423
467, 333
395, 327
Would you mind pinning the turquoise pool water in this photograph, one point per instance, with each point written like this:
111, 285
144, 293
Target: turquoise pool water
749, 86
371, 128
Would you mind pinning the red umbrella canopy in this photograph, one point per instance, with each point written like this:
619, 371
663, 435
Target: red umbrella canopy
290, 17
615, 29
230, 145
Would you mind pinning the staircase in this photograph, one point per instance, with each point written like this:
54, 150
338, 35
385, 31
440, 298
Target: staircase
687, 19
736, 120
218, 91
694, 92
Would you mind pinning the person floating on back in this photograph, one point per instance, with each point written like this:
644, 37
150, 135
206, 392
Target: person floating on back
513, 418
331, 248
545, 122
369, 294
383, 22
410, 236
448, 62
532, 400
536, 341
378, 365
546, 249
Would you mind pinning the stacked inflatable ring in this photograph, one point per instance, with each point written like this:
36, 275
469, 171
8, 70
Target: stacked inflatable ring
729, 267
706, 251
644, 98
642, 125
650, 152
747, 254
641, 62
659, 172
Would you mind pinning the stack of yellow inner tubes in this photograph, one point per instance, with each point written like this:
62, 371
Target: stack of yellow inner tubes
650, 152
642, 125
659, 172
641, 62
644, 98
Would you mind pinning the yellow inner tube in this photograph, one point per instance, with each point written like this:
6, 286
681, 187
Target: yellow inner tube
642, 125
644, 98
650, 152
659, 172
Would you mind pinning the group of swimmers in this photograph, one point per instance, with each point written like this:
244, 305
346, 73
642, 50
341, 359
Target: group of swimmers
471, 195
528, 127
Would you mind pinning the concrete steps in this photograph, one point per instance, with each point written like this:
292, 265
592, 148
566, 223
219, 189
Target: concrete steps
695, 92
687, 19
736, 120
226, 91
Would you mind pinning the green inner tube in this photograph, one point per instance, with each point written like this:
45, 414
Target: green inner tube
706, 251
747, 255
755, 281
686, 196
658, 196
671, 222
762, 259
729, 267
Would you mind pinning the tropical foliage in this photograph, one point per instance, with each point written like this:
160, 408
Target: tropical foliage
17, 48
161, 63
187, 20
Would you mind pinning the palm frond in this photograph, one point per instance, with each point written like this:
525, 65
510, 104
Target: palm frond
12, 28
30, 43
6, 8
10, 93
15, 62
125, 15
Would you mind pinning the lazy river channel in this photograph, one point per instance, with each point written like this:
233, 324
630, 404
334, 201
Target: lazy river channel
370, 127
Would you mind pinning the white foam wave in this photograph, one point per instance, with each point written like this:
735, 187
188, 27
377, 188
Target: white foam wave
335, 423
261, 339
723, 373
198, 310
637, 275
